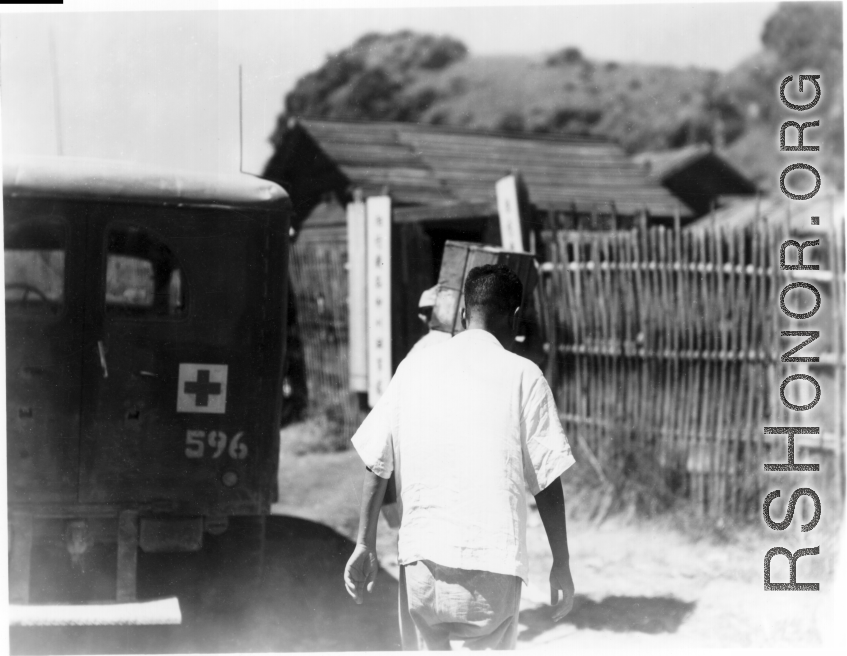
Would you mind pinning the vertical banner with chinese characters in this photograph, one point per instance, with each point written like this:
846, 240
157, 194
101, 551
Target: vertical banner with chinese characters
378, 213
357, 300
509, 210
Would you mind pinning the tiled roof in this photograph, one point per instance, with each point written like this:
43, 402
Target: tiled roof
777, 210
659, 164
433, 165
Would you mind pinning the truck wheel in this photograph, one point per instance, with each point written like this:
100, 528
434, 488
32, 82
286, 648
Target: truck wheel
231, 568
218, 580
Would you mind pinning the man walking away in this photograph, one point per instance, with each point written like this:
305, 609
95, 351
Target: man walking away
426, 306
466, 426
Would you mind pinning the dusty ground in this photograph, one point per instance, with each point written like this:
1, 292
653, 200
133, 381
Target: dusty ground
639, 584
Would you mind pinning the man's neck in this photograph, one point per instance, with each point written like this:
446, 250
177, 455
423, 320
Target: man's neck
499, 329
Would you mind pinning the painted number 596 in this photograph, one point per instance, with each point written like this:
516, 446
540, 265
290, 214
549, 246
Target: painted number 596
196, 442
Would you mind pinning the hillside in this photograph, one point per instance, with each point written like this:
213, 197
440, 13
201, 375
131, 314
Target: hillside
563, 92
406, 76
797, 38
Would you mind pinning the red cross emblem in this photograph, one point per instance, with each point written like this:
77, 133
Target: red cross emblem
202, 388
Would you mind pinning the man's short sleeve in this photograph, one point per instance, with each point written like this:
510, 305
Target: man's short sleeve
373, 441
546, 452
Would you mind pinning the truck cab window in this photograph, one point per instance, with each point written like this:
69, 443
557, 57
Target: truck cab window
34, 265
143, 276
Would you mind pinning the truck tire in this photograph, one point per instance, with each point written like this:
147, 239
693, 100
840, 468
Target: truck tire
232, 563
215, 581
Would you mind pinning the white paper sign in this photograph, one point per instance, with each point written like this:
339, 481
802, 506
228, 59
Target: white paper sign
508, 208
378, 211
357, 283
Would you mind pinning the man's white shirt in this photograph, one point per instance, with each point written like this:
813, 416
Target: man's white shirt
466, 426
432, 338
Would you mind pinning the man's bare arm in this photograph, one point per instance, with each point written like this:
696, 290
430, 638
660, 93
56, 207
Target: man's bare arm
551, 507
373, 492
360, 573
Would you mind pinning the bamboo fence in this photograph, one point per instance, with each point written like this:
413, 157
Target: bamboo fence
668, 356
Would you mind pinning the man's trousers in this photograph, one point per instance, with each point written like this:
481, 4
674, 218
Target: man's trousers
439, 604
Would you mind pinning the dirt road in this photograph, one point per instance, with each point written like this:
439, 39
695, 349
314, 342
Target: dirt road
638, 585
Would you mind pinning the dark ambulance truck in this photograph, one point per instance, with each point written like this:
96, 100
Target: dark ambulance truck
145, 328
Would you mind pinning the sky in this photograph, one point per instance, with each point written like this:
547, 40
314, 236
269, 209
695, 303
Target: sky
162, 87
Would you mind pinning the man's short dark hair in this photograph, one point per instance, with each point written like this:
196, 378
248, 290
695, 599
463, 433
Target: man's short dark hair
493, 289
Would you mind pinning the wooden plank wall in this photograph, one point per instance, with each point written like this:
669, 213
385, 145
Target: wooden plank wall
668, 356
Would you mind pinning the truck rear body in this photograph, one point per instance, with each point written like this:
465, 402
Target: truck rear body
145, 320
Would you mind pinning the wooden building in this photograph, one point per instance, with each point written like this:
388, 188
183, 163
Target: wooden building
696, 174
442, 186
449, 173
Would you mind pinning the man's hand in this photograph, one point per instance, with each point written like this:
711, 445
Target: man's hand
551, 507
360, 573
561, 579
